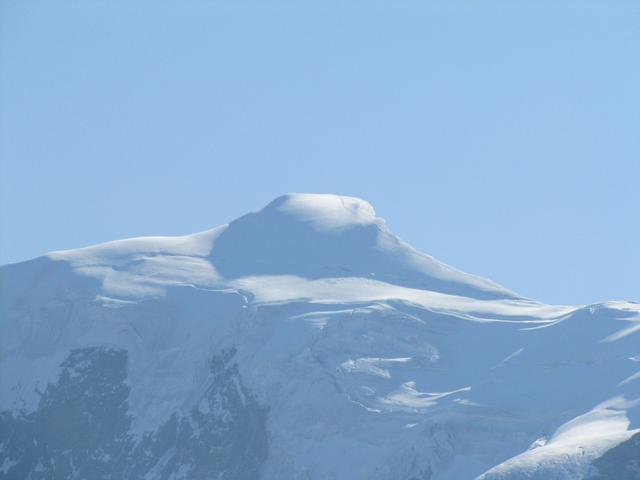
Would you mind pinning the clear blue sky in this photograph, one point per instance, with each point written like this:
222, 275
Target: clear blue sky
500, 137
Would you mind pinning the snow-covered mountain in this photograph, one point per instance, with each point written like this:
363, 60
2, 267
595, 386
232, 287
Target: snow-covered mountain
304, 341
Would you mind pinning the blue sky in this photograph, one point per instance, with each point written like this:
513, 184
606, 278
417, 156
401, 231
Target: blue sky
500, 137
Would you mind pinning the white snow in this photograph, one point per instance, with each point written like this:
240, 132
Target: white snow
374, 359
288, 288
568, 453
326, 212
633, 328
408, 396
373, 366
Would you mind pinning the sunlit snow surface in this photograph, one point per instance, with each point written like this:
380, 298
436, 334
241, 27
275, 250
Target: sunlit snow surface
373, 360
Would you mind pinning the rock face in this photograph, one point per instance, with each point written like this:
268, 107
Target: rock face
82, 427
304, 341
621, 462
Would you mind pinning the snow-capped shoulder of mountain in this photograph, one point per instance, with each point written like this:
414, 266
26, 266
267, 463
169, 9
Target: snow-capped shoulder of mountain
307, 235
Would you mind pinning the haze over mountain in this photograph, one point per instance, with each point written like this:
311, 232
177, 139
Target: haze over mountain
304, 341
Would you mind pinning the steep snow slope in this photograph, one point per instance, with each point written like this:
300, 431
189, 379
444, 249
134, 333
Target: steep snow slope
301, 341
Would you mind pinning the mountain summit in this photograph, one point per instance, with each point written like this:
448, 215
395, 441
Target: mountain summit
318, 236
304, 340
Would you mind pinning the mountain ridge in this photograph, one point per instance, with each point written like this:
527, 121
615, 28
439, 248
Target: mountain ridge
311, 235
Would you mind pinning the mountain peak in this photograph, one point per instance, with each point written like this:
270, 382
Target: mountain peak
323, 211
323, 236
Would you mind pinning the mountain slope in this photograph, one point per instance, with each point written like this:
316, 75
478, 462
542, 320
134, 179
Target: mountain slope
302, 341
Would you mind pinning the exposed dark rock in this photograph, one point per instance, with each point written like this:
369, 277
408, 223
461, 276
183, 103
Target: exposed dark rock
621, 462
81, 428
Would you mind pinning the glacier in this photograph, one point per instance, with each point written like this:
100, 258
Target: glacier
305, 341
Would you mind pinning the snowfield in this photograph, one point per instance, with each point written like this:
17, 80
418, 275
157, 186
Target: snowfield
303, 341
